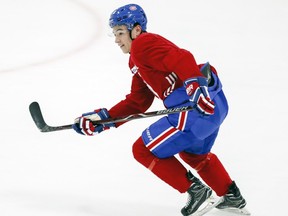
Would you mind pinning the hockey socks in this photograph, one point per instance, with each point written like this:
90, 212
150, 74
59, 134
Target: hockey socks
210, 169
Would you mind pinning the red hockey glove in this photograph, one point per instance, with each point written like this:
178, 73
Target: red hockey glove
197, 90
83, 125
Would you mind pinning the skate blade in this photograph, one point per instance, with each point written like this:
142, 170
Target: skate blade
208, 205
237, 211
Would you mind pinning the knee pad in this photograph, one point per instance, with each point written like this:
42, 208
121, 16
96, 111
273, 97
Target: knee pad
197, 162
142, 154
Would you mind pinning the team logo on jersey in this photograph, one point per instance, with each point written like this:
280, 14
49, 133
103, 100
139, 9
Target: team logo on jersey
133, 8
134, 69
190, 89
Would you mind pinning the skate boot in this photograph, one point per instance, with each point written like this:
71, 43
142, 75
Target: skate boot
198, 193
233, 198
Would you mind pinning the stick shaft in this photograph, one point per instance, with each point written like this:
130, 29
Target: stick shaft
38, 118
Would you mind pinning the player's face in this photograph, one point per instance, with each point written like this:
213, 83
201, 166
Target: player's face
122, 38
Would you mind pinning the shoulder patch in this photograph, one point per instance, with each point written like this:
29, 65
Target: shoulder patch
134, 69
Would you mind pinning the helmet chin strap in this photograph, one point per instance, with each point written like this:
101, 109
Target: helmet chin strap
130, 31
130, 34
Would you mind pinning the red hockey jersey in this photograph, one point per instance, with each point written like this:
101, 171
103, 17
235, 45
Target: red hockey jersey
159, 67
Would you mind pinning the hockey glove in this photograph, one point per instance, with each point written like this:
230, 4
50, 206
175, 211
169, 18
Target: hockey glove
84, 125
197, 90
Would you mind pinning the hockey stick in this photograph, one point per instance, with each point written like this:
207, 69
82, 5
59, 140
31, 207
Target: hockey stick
37, 116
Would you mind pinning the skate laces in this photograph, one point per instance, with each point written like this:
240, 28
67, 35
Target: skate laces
195, 193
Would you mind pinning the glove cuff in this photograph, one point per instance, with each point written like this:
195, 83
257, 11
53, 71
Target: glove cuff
104, 114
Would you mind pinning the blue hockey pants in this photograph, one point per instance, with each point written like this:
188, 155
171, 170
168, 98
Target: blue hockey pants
187, 131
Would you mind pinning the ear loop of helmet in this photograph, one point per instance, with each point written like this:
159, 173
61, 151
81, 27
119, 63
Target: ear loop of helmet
130, 31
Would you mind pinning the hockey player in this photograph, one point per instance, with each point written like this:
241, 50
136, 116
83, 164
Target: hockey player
163, 70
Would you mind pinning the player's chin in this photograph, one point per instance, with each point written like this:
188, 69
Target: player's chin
124, 50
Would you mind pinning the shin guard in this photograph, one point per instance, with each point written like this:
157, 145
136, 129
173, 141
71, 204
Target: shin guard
170, 170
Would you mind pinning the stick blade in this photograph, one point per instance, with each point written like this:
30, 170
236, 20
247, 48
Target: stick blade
37, 116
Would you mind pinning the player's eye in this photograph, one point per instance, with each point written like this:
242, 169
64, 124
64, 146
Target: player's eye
119, 33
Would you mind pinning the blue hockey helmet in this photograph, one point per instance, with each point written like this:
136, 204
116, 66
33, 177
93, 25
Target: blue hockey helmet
128, 15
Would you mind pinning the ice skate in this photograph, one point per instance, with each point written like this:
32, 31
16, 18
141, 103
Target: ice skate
233, 201
198, 193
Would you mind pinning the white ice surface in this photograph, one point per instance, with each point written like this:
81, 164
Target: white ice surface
58, 53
